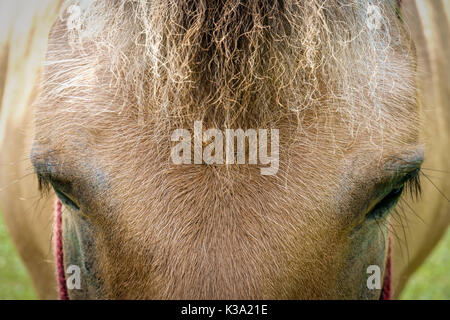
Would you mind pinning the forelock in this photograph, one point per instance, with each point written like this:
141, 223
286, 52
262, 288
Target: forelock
235, 63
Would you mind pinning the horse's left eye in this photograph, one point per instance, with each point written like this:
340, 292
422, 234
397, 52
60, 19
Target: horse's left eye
66, 200
62, 189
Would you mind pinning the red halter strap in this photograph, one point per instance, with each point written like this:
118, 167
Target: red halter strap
58, 252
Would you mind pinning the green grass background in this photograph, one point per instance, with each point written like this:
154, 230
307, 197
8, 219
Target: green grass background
14, 280
431, 281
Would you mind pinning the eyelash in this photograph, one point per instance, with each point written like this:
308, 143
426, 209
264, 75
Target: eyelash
413, 184
44, 184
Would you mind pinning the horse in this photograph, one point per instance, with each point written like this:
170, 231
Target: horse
93, 93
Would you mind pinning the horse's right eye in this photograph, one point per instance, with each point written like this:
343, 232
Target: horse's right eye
383, 207
410, 181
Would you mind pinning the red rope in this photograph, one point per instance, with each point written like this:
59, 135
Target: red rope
387, 292
58, 252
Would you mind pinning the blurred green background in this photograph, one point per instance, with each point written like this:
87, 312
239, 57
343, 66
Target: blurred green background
432, 281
